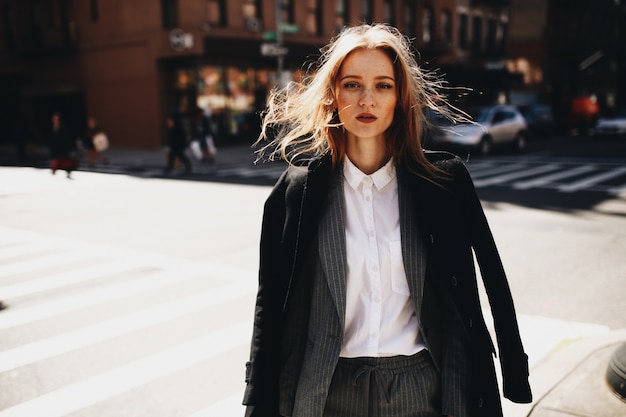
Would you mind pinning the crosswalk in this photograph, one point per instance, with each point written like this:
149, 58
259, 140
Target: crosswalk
565, 175
79, 341
562, 175
130, 333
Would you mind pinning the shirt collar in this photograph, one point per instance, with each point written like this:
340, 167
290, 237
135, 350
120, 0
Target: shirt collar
354, 176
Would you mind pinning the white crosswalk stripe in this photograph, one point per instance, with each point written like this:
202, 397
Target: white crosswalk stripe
590, 181
547, 179
514, 175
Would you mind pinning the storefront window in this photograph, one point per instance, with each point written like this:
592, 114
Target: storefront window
231, 96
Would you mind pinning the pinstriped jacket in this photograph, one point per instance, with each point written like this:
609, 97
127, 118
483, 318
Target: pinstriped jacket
453, 225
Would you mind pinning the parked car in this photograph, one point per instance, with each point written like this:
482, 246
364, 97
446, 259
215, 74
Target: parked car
611, 126
540, 120
492, 126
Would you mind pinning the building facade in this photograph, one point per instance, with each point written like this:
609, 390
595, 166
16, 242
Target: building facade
130, 64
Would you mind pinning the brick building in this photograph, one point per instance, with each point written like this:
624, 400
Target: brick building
130, 63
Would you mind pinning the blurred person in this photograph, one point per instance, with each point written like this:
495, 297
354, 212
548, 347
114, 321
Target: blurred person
368, 301
177, 143
93, 144
202, 131
62, 147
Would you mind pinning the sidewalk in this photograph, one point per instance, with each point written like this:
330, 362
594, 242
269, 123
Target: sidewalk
133, 160
570, 381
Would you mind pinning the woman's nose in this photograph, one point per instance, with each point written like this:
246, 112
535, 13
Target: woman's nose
367, 98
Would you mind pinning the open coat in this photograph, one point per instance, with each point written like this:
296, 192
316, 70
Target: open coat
453, 224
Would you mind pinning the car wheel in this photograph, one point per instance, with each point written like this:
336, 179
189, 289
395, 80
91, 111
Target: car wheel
484, 147
520, 142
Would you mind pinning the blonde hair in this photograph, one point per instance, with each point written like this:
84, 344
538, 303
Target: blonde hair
301, 119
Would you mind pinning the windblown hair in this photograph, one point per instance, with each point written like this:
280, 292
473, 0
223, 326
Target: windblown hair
301, 119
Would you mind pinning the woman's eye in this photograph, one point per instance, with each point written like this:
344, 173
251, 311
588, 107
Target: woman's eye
385, 86
350, 85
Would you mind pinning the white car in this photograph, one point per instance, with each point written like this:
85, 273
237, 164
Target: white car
499, 125
611, 126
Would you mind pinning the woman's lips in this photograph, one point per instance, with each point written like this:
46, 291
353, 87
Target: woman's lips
366, 118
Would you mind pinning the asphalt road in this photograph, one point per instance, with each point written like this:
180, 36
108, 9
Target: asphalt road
131, 295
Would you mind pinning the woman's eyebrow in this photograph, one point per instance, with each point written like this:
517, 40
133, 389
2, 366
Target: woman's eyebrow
378, 77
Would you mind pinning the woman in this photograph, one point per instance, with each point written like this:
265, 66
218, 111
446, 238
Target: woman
62, 148
177, 143
367, 302
93, 154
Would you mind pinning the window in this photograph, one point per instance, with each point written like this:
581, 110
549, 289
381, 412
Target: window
287, 10
314, 18
390, 12
491, 35
169, 14
477, 33
252, 15
463, 26
36, 24
503, 38
215, 12
341, 14
409, 19
8, 21
94, 10
428, 25
367, 11
446, 27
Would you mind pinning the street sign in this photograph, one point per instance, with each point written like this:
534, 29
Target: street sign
179, 40
289, 28
273, 49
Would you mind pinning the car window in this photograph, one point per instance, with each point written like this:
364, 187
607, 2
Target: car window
479, 115
499, 117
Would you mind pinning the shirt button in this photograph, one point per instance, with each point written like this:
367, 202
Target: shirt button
453, 281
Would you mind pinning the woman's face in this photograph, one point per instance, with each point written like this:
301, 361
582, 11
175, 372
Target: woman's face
366, 94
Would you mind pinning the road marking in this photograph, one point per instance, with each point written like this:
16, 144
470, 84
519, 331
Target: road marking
45, 260
590, 181
541, 181
91, 297
123, 325
514, 175
619, 190
229, 406
19, 249
85, 393
500, 169
66, 278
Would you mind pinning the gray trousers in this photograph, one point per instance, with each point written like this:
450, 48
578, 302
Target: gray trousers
399, 386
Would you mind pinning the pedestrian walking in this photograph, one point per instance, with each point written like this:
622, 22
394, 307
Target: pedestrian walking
95, 141
62, 147
177, 143
367, 302
202, 134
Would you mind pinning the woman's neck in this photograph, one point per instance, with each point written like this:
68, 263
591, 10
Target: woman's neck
369, 155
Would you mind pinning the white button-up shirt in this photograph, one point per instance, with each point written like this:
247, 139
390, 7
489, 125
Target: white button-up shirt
380, 315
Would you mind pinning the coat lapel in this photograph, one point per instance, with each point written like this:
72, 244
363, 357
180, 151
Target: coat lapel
332, 243
414, 249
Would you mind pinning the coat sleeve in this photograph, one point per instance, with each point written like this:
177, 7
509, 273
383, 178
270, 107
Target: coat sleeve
513, 360
261, 393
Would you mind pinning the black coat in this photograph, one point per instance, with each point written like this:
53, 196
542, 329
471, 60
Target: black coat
61, 144
452, 219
